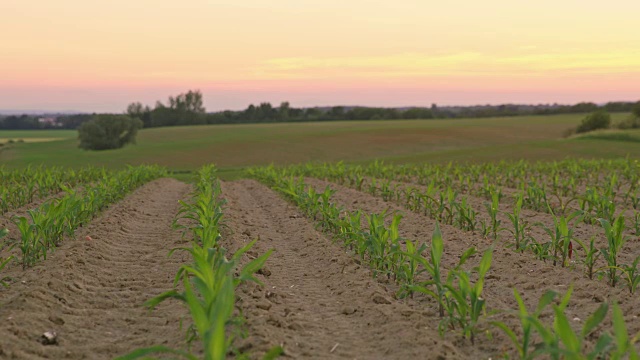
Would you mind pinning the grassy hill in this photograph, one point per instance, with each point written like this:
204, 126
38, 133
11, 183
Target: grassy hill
233, 147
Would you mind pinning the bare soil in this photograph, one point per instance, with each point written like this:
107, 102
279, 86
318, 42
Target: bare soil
90, 292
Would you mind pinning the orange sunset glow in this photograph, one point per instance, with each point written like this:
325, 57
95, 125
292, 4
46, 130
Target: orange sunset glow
99, 56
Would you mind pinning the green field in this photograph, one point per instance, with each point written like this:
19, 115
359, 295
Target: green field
233, 147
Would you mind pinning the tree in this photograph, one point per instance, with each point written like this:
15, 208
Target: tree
104, 132
137, 110
283, 111
635, 110
599, 119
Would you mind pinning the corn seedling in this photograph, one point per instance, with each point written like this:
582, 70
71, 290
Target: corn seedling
631, 275
520, 227
615, 239
467, 302
466, 219
409, 270
591, 255
525, 346
432, 266
493, 210
561, 236
560, 341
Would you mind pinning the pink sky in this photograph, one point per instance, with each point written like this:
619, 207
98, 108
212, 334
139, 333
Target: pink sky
100, 56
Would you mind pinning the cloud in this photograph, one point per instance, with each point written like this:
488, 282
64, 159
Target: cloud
453, 64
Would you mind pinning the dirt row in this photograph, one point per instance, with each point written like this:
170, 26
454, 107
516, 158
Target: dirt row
531, 277
317, 302
90, 292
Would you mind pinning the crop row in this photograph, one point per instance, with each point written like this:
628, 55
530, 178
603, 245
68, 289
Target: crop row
209, 281
45, 227
460, 302
565, 178
445, 205
20, 187
600, 199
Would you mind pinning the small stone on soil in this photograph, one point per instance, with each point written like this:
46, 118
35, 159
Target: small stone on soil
49, 338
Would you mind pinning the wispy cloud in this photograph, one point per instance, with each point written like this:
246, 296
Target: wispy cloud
452, 64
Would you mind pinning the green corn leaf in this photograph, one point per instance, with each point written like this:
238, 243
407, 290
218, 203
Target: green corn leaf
619, 329
595, 319
565, 332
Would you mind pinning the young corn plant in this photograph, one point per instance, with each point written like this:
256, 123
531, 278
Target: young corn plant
466, 216
410, 269
525, 346
631, 275
493, 210
436, 287
467, 302
432, 267
560, 341
350, 229
615, 240
29, 245
520, 227
536, 197
561, 236
591, 255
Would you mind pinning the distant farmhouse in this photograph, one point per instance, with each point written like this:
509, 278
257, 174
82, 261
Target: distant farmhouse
50, 121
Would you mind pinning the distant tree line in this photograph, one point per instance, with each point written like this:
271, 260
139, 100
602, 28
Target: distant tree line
31, 122
188, 109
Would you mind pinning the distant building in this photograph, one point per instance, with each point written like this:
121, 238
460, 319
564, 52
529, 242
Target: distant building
51, 121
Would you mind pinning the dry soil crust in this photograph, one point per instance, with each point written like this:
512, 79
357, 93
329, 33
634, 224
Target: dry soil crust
317, 302
90, 292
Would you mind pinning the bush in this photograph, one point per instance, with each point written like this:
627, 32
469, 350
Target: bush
635, 110
105, 132
596, 120
631, 122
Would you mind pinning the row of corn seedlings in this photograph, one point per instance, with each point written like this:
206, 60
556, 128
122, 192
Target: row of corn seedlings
459, 299
20, 187
445, 207
46, 226
565, 178
538, 195
206, 286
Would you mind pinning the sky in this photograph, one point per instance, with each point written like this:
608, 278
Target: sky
91, 55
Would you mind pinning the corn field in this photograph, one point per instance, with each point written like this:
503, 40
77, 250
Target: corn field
503, 260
